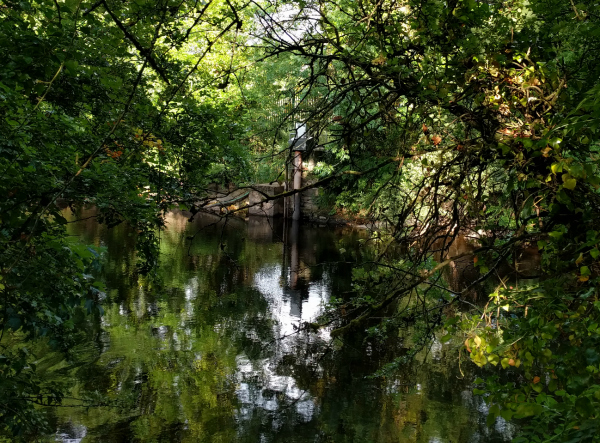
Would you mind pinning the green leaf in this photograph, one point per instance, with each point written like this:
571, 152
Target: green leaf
570, 184
584, 406
528, 410
493, 413
556, 168
493, 359
71, 66
506, 414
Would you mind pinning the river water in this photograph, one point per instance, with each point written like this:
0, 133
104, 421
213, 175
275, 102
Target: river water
211, 352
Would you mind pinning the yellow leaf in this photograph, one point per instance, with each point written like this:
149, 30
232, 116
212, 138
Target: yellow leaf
477, 340
579, 259
380, 60
584, 277
556, 167
546, 151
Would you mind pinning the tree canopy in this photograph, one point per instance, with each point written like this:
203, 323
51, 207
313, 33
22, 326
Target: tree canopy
476, 119
438, 120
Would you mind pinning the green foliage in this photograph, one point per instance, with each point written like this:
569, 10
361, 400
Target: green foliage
103, 103
488, 116
550, 339
443, 119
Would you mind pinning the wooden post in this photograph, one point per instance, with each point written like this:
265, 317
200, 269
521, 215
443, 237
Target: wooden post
297, 183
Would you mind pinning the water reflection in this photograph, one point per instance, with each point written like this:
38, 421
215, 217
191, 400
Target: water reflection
215, 352
290, 306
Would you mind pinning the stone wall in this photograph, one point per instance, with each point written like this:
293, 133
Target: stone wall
271, 208
308, 202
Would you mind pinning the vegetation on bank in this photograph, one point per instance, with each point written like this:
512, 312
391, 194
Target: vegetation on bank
442, 119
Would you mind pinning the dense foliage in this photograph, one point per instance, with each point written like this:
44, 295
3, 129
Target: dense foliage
475, 119
443, 120
104, 103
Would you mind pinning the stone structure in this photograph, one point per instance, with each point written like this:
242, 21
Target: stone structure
271, 208
308, 202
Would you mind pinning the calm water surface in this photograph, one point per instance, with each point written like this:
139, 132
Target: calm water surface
213, 353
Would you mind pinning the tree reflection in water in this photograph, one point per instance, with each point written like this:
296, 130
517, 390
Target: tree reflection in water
214, 354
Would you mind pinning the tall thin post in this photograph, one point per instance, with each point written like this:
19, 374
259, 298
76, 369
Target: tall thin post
297, 183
